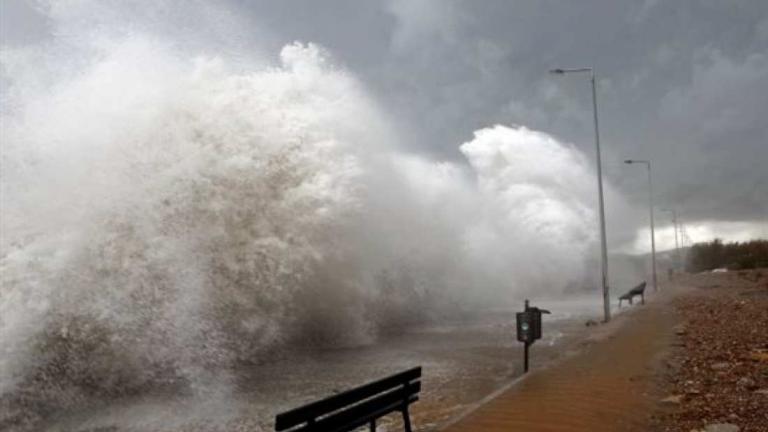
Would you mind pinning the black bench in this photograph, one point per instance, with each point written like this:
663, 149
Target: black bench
636, 291
356, 407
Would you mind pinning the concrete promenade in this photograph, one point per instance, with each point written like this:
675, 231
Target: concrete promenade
608, 386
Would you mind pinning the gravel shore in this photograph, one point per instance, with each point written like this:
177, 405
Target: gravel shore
716, 376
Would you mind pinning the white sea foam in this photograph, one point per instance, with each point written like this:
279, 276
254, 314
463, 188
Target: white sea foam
169, 215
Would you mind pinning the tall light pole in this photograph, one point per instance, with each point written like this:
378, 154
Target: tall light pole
647, 163
677, 242
603, 242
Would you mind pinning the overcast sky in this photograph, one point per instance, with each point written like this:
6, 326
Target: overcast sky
683, 83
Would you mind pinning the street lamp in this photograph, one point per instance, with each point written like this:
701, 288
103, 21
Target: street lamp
677, 242
647, 163
603, 242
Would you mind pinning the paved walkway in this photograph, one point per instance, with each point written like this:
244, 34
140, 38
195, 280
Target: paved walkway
607, 387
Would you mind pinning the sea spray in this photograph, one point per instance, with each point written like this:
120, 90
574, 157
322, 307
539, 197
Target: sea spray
168, 218
538, 202
164, 246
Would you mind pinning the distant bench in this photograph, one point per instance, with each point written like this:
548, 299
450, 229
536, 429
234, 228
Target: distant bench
636, 291
356, 407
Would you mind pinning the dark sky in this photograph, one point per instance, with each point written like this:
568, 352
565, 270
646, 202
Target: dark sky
683, 83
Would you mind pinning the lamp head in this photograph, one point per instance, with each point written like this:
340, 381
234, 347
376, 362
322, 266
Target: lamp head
557, 71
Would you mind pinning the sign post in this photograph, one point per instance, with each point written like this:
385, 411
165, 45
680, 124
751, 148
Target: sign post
529, 328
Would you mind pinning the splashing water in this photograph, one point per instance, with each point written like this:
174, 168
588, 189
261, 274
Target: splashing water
166, 218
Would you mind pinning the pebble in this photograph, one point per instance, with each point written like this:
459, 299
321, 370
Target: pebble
672, 400
721, 427
748, 383
720, 366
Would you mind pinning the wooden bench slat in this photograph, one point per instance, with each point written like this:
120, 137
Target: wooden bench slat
319, 408
639, 290
362, 414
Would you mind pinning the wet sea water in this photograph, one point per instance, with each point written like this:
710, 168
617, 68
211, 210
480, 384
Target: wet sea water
463, 362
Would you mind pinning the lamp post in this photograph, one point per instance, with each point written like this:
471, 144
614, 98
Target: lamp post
603, 243
647, 163
677, 242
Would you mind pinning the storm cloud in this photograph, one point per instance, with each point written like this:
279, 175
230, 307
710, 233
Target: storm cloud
683, 83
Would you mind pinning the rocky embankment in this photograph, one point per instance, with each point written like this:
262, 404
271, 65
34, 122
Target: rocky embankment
717, 379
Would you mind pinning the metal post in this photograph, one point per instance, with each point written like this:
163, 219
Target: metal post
603, 242
676, 261
527, 343
650, 210
677, 242
525, 363
653, 233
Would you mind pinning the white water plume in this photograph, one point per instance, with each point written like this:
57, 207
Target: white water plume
167, 217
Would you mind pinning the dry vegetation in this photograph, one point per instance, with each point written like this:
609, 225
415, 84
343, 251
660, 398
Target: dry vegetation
752, 254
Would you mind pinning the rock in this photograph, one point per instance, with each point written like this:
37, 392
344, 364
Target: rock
720, 366
680, 330
672, 400
762, 391
760, 356
591, 323
721, 427
747, 383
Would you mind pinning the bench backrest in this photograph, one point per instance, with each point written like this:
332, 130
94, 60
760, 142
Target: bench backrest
356, 407
638, 289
